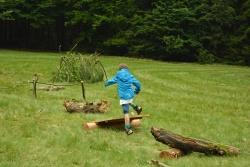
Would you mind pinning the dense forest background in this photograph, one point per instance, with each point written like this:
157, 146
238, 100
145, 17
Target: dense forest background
206, 31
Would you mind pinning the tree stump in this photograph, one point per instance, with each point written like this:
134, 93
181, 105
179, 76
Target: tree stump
97, 107
187, 144
171, 153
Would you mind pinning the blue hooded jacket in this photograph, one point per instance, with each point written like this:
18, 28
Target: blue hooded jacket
128, 85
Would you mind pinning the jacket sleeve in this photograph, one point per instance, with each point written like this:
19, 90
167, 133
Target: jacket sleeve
137, 85
111, 81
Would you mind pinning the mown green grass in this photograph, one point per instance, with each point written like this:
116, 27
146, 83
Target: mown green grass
201, 101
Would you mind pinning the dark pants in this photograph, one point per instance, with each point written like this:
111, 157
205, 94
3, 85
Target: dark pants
125, 108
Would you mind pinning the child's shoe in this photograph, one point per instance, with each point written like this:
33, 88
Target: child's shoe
129, 131
137, 108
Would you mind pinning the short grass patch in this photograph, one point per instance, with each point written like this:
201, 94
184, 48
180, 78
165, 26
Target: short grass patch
201, 101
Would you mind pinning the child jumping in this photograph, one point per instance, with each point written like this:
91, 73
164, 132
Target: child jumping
128, 87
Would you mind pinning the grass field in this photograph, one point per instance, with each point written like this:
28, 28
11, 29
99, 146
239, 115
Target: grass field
202, 101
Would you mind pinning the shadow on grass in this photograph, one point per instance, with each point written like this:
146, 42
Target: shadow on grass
119, 128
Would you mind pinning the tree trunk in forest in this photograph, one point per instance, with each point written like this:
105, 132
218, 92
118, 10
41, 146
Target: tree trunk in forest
1, 33
60, 30
188, 145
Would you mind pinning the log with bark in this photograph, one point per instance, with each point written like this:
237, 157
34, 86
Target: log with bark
94, 107
187, 144
135, 121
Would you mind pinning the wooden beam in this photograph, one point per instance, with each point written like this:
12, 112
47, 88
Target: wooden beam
134, 120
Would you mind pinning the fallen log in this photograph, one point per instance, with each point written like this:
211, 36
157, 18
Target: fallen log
76, 106
171, 153
51, 88
187, 144
135, 121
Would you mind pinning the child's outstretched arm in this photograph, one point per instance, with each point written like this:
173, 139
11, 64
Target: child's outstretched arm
111, 81
137, 85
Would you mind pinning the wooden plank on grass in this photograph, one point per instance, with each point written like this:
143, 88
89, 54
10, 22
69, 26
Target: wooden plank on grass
134, 120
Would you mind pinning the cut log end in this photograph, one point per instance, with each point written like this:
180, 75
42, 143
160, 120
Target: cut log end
234, 151
135, 123
172, 153
90, 125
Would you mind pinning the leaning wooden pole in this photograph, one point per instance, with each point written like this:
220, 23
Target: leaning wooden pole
187, 144
35, 79
83, 91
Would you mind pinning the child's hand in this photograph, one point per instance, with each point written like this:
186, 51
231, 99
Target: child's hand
136, 92
106, 84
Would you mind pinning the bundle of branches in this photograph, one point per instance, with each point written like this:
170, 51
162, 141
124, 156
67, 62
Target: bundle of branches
78, 67
96, 107
185, 145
